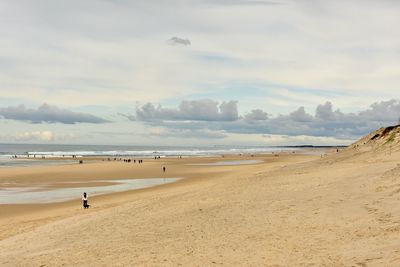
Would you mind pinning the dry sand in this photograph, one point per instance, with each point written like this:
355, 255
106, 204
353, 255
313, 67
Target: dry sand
292, 210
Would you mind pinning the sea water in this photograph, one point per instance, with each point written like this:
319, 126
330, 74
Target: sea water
8, 161
37, 151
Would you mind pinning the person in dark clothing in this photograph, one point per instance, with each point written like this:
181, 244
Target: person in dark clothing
85, 201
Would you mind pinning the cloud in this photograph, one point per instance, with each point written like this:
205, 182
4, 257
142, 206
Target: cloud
325, 112
326, 122
300, 115
356, 56
384, 111
196, 110
128, 116
242, 2
298, 53
32, 136
48, 114
186, 133
256, 115
178, 41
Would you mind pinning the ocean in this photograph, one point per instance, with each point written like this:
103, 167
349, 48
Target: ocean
23, 151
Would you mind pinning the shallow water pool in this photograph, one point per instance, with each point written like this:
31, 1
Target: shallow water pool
41, 194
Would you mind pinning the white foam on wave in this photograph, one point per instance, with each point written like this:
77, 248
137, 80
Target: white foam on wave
151, 153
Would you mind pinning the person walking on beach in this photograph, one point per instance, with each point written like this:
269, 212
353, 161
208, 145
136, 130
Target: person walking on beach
163, 168
85, 201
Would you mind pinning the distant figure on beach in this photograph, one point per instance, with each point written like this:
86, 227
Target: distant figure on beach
85, 201
163, 168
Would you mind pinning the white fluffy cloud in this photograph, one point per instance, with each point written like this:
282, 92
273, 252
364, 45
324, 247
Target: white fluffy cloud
36, 136
196, 110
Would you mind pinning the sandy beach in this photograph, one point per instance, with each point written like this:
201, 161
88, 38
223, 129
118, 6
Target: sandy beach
291, 210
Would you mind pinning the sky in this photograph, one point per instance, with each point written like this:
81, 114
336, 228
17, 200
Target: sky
198, 72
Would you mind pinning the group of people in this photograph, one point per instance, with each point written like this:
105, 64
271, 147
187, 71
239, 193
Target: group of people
125, 160
132, 160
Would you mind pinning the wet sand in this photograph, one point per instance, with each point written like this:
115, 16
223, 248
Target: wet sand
94, 169
291, 210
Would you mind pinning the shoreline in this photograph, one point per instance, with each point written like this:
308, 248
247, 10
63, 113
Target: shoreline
148, 152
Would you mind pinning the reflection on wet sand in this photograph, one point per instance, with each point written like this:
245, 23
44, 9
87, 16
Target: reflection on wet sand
47, 193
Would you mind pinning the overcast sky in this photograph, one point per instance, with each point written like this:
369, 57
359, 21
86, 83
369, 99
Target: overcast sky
197, 72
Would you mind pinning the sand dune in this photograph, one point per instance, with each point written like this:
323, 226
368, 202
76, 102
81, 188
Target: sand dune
338, 210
